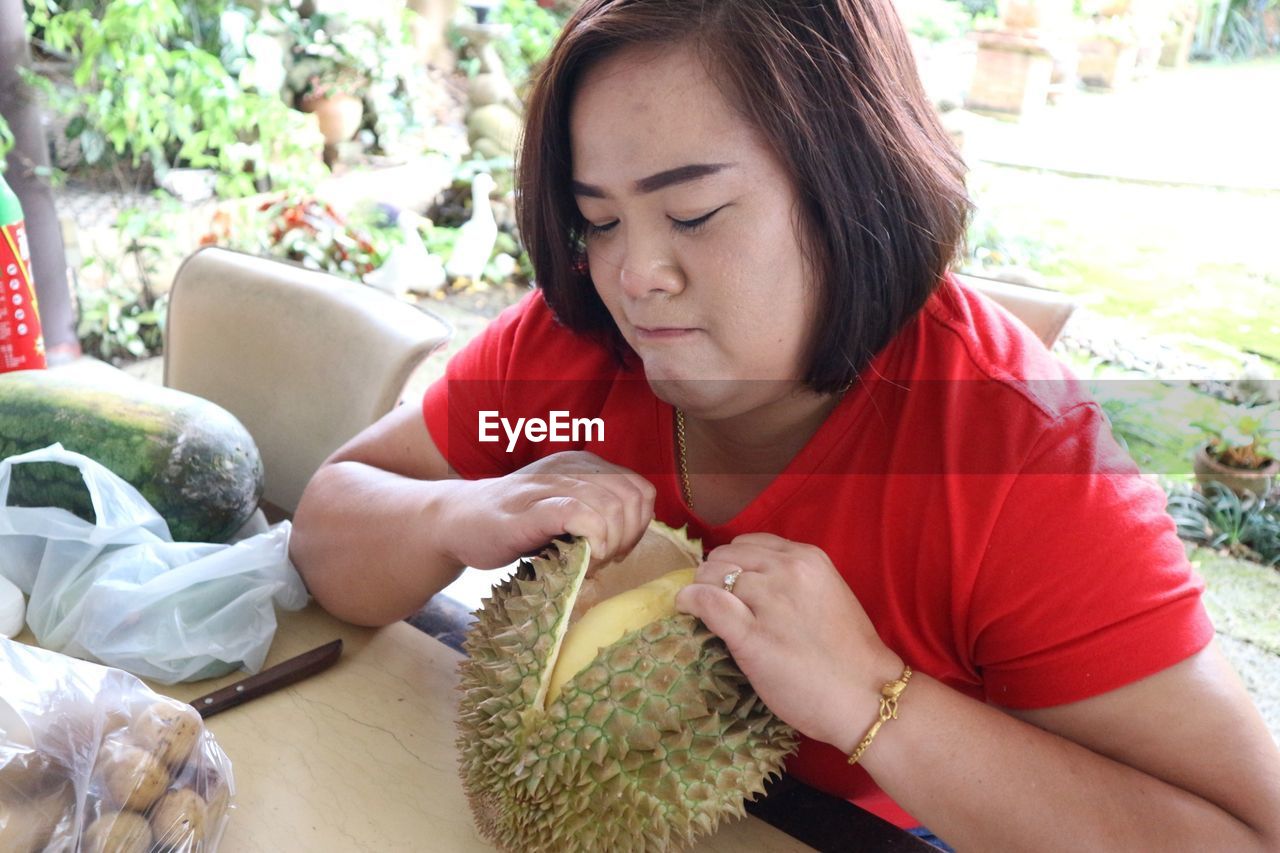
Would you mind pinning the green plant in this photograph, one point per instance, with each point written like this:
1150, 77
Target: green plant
306, 231
116, 325
143, 90
991, 246
1244, 436
1244, 35
6, 141
330, 55
1218, 518
123, 319
1134, 429
531, 31
935, 20
1235, 29
370, 57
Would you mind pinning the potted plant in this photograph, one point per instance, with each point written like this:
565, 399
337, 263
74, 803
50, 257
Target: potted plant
1241, 452
328, 72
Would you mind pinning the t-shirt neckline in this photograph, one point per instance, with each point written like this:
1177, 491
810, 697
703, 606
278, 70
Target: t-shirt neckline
787, 482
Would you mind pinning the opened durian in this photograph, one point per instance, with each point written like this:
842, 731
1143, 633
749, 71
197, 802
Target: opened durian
594, 716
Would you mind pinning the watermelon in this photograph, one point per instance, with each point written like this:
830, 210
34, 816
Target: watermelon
190, 458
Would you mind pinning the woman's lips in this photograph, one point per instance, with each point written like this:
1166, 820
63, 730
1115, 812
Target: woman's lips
663, 333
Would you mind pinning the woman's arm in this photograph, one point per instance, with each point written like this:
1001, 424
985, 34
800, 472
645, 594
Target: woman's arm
384, 524
1177, 761
367, 534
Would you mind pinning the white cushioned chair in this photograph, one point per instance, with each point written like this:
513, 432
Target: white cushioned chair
1045, 312
304, 359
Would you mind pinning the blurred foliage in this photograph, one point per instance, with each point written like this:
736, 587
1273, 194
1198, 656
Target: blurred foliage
6, 141
373, 57
123, 318
150, 84
531, 32
1237, 29
306, 231
1244, 436
328, 55
936, 20
989, 246
1216, 517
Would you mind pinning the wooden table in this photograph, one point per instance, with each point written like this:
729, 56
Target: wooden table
362, 756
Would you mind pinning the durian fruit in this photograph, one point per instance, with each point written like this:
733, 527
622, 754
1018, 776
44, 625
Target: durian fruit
653, 742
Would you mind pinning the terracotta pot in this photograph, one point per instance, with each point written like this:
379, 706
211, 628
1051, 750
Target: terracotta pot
339, 116
1242, 481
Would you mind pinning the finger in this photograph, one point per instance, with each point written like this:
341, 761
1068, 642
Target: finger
713, 571
752, 558
611, 508
764, 540
635, 496
622, 502
727, 616
566, 514
595, 465
638, 505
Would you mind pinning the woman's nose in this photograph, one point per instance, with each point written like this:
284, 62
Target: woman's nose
662, 277
646, 267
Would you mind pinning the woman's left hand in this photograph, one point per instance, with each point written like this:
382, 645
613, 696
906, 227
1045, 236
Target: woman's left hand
797, 632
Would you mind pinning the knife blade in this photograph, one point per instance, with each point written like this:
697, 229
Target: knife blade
269, 680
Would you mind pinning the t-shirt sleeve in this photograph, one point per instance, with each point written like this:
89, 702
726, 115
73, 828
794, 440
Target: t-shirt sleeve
524, 365
473, 383
1084, 586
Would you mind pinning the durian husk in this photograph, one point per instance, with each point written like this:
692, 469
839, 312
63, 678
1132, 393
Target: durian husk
653, 744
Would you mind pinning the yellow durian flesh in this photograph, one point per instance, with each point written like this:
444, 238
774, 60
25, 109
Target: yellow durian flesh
611, 620
662, 549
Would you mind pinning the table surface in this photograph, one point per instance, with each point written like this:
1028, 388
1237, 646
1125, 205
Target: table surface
362, 756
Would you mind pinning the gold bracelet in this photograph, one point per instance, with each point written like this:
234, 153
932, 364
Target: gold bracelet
889, 695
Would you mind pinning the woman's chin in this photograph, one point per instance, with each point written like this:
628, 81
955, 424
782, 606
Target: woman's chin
698, 396
713, 399
681, 390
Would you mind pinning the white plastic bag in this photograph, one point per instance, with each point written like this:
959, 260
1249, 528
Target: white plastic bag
91, 759
121, 592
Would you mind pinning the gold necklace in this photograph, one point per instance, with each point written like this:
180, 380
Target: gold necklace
682, 452
680, 458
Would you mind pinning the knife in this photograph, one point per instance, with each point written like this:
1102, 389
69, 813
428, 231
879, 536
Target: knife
269, 680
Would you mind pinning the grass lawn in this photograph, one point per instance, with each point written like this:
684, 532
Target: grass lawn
1198, 265
1243, 598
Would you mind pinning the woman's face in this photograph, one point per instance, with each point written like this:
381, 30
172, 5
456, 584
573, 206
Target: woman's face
691, 232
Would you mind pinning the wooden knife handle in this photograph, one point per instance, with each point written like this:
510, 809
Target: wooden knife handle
269, 680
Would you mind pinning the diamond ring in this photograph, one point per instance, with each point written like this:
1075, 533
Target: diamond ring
730, 579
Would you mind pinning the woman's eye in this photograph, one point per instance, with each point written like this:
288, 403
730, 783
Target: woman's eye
689, 226
595, 230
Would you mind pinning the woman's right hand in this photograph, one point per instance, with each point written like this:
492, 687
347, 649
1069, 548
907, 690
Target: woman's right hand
491, 523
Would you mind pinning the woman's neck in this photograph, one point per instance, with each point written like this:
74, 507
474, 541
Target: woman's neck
765, 439
731, 460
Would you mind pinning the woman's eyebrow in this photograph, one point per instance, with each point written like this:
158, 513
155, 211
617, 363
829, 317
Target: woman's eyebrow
662, 180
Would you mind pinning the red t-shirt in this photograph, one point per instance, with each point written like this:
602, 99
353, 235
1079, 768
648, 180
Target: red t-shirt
967, 489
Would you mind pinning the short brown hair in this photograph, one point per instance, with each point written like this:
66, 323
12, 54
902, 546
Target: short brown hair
832, 88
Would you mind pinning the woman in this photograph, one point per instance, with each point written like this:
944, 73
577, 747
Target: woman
741, 215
